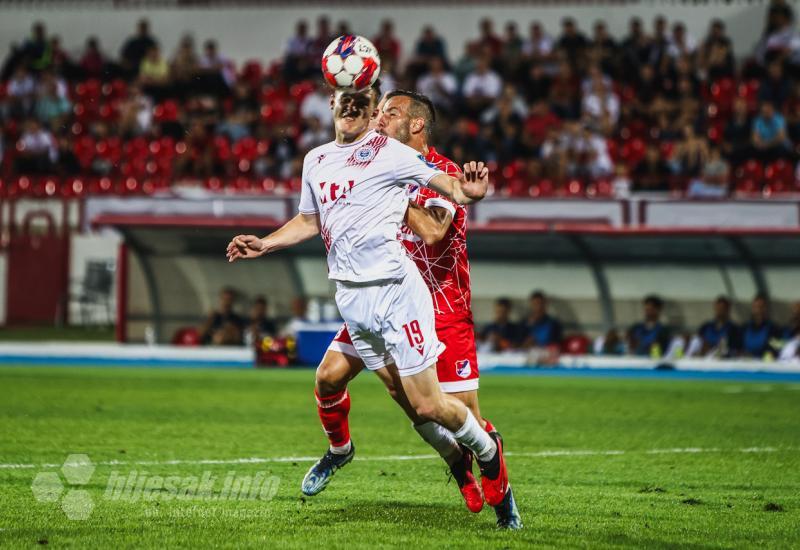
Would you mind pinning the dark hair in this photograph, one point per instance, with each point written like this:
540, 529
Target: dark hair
724, 300
761, 296
421, 107
654, 300
260, 300
505, 302
538, 294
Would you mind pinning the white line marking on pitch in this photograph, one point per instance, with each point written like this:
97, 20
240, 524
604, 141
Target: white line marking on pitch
389, 458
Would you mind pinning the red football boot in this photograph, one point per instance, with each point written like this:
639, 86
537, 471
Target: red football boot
494, 475
467, 484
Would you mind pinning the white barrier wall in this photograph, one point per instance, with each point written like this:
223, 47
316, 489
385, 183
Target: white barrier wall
262, 33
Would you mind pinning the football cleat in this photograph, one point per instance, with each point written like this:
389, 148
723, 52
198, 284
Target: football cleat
320, 474
507, 514
494, 476
461, 471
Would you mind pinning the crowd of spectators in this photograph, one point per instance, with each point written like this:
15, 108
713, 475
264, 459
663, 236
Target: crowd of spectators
587, 113
759, 337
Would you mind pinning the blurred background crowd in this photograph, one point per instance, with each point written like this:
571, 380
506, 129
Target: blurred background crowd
572, 110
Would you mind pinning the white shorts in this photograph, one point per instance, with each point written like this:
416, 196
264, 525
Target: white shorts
391, 322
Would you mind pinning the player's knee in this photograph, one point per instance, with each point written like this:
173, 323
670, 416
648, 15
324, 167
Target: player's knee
330, 379
429, 411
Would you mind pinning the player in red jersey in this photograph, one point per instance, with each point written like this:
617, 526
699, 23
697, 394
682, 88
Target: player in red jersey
435, 238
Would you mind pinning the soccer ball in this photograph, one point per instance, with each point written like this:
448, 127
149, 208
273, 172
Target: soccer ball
351, 62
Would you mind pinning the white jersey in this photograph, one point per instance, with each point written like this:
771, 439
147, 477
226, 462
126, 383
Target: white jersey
358, 190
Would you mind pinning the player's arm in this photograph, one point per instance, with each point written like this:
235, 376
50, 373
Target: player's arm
470, 187
430, 223
300, 228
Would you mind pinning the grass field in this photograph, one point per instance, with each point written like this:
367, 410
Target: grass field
594, 462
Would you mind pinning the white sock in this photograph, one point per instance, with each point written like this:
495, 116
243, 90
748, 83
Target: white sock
440, 439
342, 450
475, 438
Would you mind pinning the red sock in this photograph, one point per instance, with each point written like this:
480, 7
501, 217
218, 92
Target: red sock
333, 411
488, 427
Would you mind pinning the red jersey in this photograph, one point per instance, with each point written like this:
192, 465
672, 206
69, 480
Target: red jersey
444, 266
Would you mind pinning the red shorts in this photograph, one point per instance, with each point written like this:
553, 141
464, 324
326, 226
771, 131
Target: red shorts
457, 367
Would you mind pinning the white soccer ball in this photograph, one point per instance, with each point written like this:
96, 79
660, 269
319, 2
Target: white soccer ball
351, 61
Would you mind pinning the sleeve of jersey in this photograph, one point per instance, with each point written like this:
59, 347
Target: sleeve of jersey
308, 202
434, 199
411, 167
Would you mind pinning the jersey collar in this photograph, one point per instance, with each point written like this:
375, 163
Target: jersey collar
344, 145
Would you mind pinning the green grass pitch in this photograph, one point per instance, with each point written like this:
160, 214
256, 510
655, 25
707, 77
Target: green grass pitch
699, 463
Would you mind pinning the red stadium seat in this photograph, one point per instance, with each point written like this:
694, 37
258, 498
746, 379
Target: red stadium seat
750, 170
252, 72
748, 186
779, 172
574, 188
576, 344
187, 336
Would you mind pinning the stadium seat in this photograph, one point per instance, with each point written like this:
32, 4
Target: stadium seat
186, 336
576, 344
779, 174
750, 170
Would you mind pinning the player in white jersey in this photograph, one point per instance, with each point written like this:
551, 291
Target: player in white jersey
354, 195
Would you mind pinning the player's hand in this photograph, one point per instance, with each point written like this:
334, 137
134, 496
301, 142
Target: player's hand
245, 246
475, 181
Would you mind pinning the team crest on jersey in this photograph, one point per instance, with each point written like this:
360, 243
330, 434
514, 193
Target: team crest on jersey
366, 153
463, 368
426, 161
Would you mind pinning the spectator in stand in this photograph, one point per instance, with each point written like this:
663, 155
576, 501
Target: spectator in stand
572, 42
198, 158
775, 88
37, 49
387, 44
538, 48
760, 336
652, 173
736, 144
223, 326
297, 62
243, 113
565, 93
52, 108
601, 106
714, 178
318, 105
21, 92
154, 74
37, 150
314, 135
720, 336
92, 61
428, 46
135, 113
488, 38
681, 45
780, 39
793, 327
512, 48
481, 87
589, 155
635, 48
439, 85
184, 63
540, 329
659, 45
604, 49
716, 53
299, 317
136, 47
536, 84
501, 334
323, 37
690, 154
68, 164
540, 119
769, 134
218, 74
649, 337
260, 325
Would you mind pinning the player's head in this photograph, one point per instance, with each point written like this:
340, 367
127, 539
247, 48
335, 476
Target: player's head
408, 117
352, 110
